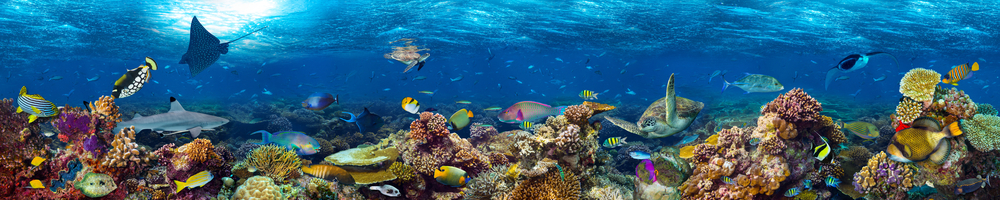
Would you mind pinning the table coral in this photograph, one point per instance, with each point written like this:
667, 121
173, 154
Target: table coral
258, 188
598, 108
981, 131
794, 106
366, 156
884, 178
908, 109
276, 162
918, 83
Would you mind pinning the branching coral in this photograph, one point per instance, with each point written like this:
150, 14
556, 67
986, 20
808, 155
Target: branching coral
105, 108
986, 109
258, 188
276, 162
556, 186
125, 150
955, 103
884, 178
982, 131
919, 84
908, 109
794, 106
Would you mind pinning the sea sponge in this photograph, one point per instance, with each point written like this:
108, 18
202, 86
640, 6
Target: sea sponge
908, 109
274, 161
919, 84
981, 131
794, 106
258, 188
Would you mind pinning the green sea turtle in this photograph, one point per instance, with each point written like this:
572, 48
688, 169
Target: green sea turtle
665, 117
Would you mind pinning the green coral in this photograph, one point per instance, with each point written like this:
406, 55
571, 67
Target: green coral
981, 131
986, 109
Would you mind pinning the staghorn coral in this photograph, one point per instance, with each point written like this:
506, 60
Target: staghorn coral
105, 108
884, 178
258, 188
794, 106
556, 186
919, 84
908, 110
955, 103
981, 131
274, 161
125, 150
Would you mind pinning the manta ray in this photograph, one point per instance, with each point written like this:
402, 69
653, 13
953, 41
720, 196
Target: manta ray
204, 48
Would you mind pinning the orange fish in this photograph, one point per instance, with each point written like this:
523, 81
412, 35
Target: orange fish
329, 172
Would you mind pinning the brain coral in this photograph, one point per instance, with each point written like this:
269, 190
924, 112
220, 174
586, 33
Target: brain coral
908, 109
919, 84
981, 131
257, 188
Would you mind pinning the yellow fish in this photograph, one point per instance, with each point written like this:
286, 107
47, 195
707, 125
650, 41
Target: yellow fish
197, 180
329, 172
37, 161
959, 73
451, 176
862, 129
925, 139
35, 105
37, 184
460, 119
411, 105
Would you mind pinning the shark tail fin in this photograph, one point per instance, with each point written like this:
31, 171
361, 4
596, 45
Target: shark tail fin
353, 118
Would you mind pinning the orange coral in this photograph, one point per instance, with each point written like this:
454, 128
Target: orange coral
199, 150
106, 108
124, 150
578, 114
598, 108
429, 124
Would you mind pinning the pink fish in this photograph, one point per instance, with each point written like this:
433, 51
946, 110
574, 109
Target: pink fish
529, 111
649, 167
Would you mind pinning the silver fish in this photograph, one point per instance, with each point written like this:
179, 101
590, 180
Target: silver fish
716, 73
755, 83
881, 78
843, 78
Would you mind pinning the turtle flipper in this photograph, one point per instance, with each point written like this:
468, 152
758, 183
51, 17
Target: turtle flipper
628, 126
671, 113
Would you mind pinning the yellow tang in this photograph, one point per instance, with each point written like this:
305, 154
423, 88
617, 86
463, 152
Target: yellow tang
411, 105
863, 129
925, 139
37, 184
37, 161
959, 73
460, 119
35, 105
197, 180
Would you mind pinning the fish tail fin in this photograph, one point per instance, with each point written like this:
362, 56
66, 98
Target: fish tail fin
562, 109
337, 99
353, 118
32, 118
180, 185
266, 136
953, 129
24, 90
975, 66
725, 84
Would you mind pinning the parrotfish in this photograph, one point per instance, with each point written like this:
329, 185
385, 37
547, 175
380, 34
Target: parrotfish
301, 143
319, 101
451, 176
529, 111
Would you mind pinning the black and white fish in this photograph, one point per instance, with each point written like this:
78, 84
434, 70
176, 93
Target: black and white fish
852, 63
133, 80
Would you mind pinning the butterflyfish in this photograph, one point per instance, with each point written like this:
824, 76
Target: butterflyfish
411, 105
196, 180
925, 139
35, 105
451, 176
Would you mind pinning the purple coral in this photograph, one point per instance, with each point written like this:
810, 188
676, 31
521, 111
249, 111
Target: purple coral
795, 106
72, 123
94, 145
482, 131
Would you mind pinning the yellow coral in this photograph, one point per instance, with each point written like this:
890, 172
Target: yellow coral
919, 84
276, 162
364, 177
402, 171
199, 150
363, 156
908, 110
551, 186
258, 188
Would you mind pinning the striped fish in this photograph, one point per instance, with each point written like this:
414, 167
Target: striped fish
727, 180
822, 152
959, 73
615, 142
588, 95
329, 172
133, 80
808, 184
35, 105
831, 181
196, 180
526, 125
792, 192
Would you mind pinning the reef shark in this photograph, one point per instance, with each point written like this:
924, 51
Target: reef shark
177, 119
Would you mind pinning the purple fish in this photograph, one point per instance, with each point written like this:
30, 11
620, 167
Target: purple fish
648, 167
529, 111
319, 101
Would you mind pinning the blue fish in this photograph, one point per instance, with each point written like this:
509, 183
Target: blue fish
808, 184
639, 155
792, 192
831, 181
754, 141
319, 101
366, 120
301, 143
687, 139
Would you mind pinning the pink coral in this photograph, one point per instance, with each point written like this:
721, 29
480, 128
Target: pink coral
795, 106
429, 125
955, 103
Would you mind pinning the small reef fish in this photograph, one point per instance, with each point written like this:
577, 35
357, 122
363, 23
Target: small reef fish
36, 184
419, 78
365, 121
630, 92
411, 105
267, 92
37, 161
526, 125
428, 93
754, 141
754, 83
923, 141
35, 105
387, 190
459, 78
831, 181
196, 180
687, 139
588, 95
329, 172
843, 78
639, 155
615, 142
651, 170
531, 66
451, 176
959, 73
319, 101
278, 74
716, 73
55, 78
808, 184
133, 80
493, 108
880, 78
727, 180
792, 192
863, 129
94, 79
299, 142
463, 102
639, 74
559, 59
529, 111
971, 185
460, 119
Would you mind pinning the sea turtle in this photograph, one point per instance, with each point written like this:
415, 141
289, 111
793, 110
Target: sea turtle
665, 117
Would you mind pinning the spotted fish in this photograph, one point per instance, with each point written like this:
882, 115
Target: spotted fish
35, 105
204, 48
133, 80
863, 129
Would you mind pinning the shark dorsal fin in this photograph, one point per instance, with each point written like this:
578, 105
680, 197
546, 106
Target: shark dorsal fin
175, 106
671, 101
137, 116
